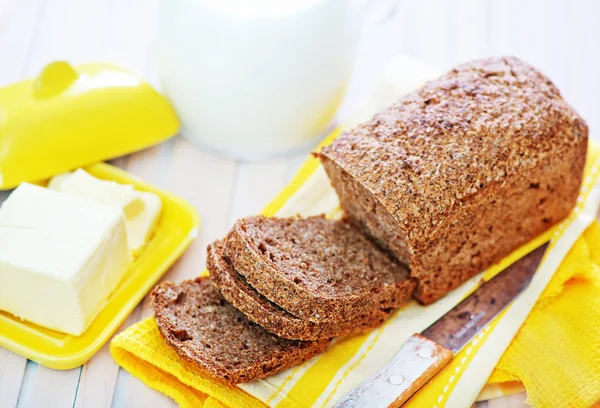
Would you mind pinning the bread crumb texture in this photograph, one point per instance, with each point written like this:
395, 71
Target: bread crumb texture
203, 328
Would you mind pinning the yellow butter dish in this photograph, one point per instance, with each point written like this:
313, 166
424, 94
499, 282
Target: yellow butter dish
69, 117
176, 226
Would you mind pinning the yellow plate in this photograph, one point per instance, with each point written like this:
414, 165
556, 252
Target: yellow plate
176, 229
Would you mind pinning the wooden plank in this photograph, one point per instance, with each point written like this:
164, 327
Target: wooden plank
99, 377
19, 24
149, 164
469, 38
18, 30
132, 34
26, 392
71, 30
294, 164
137, 394
426, 31
97, 381
121, 386
53, 388
129, 391
558, 38
256, 185
12, 368
538, 44
207, 181
582, 84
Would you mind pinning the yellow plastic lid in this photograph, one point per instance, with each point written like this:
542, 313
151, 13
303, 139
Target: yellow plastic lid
70, 117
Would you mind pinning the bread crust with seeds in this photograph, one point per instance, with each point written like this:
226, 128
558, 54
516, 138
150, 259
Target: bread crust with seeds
456, 175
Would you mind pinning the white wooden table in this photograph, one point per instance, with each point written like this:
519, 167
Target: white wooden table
560, 37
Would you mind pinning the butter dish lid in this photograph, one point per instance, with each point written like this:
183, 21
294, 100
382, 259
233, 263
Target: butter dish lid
70, 117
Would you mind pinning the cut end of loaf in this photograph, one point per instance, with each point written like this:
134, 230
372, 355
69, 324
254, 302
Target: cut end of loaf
316, 269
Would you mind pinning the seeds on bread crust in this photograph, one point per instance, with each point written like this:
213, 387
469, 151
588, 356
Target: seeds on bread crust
459, 173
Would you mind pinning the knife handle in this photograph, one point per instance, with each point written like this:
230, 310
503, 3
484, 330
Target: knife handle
417, 362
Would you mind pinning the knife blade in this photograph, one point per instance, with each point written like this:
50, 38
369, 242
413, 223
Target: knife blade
423, 355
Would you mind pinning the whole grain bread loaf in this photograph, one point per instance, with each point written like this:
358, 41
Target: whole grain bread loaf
456, 175
197, 322
236, 290
316, 269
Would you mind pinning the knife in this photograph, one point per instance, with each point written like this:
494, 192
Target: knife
423, 355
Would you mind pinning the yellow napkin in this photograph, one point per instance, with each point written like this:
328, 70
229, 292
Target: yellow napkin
556, 354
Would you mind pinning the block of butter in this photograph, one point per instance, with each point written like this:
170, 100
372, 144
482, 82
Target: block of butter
141, 227
141, 209
60, 257
84, 185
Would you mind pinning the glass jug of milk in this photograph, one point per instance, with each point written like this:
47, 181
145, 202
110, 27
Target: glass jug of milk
256, 78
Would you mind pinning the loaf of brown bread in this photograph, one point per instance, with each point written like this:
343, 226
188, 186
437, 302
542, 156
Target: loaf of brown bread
456, 175
259, 309
197, 322
316, 269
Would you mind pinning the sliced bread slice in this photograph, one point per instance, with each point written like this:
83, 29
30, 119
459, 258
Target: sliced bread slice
317, 269
236, 290
199, 324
